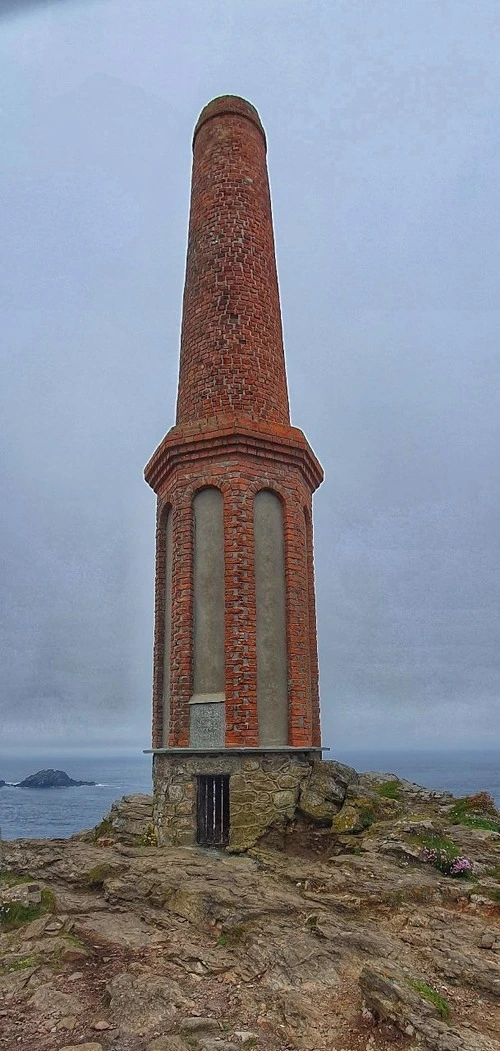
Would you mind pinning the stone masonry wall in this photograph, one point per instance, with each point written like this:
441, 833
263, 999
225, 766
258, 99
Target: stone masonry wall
264, 789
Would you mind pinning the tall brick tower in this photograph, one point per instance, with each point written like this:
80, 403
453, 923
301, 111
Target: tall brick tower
235, 692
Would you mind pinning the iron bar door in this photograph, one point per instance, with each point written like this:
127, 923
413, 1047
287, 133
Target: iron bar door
213, 810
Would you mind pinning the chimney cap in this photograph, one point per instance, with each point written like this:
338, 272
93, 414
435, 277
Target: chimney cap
226, 105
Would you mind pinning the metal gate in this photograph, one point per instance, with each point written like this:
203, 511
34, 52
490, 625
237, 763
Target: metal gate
213, 810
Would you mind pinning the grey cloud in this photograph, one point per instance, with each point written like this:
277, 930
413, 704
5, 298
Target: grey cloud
383, 145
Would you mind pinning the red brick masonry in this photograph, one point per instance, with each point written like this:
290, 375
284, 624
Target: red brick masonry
233, 432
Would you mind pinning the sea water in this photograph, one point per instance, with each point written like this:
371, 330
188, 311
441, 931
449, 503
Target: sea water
35, 813
60, 812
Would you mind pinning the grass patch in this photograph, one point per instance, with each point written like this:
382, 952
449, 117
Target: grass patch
432, 996
96, 876
396, 898
444, 855
491, 892
72, 939
478, 811
367, 818
482, 822
191, 1039
104, 828
12, 879
233, 936
21, 964
437, 842
13, 914
148, 839
389, 790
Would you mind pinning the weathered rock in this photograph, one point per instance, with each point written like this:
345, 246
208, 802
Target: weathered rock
144, 1002
197, 1024
69, 1024
391, 995
167, 1043
211, 1044
322, 795
130, 820
266, 939
82, 1047
22, 893
50, 1001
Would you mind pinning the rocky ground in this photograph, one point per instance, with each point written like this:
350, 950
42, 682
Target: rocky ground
336, 938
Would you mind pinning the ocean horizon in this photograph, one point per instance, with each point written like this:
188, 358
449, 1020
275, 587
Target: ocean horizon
60, 812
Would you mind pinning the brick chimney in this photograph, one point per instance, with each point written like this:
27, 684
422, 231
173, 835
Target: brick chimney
235, 656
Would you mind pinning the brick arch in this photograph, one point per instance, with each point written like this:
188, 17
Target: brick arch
272, 488
194, 489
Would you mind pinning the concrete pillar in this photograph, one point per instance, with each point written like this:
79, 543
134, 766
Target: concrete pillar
207, 702
167, 639
270, 620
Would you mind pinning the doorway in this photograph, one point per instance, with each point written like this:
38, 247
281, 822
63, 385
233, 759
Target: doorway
212, 810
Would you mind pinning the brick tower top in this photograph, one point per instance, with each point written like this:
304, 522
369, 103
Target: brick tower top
232, 363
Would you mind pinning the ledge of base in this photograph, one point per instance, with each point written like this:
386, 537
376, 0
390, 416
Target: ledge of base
276, 748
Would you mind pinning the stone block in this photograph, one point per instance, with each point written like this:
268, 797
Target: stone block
322, 796
284, 800
250, 764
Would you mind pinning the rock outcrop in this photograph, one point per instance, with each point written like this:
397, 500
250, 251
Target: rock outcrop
129, 821
333, 936
51, 779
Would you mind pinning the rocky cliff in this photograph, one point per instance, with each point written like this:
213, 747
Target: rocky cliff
375, 926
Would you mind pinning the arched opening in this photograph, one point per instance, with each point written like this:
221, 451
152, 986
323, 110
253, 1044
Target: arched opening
270, 601
166, 555
207, 724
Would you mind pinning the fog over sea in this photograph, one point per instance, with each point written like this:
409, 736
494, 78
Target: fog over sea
60, 812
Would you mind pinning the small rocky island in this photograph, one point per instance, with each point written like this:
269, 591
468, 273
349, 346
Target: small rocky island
49, 779
368, 923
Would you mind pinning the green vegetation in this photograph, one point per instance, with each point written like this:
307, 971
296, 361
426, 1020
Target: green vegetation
444, 855
21, 964
14, 914
104, 828
478, 811
491, 892
72, 939
96, 876
366, 817
148, 839
189, 1038
389, 790
233, 935
395, 898
438, 842
12, 879
432, 996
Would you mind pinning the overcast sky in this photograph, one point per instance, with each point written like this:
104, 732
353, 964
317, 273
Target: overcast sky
382, 119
